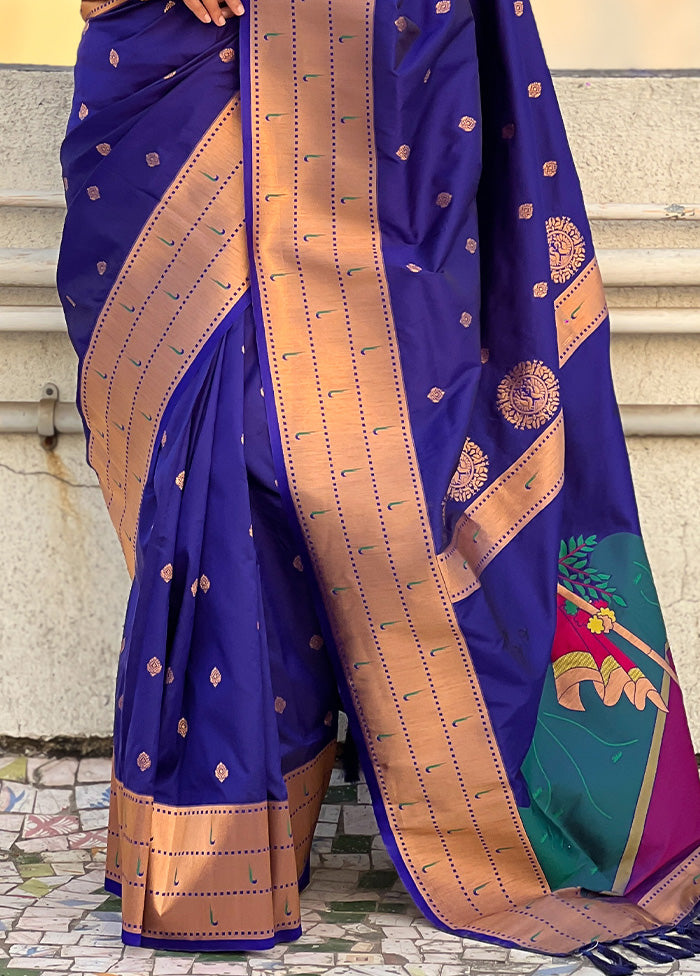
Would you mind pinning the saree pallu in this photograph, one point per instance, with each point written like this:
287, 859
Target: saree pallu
345, 381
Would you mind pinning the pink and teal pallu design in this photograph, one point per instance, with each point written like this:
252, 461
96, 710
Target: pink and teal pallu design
344, 375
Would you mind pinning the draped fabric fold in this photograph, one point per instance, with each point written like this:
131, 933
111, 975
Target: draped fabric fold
344, 375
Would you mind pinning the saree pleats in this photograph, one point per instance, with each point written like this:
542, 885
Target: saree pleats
344, 375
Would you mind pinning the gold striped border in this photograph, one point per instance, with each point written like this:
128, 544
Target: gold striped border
216, 872
580, 310
93, 8
507, 506
352, 466
186, 270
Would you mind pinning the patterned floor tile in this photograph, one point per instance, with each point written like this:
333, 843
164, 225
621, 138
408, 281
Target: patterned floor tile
55, 916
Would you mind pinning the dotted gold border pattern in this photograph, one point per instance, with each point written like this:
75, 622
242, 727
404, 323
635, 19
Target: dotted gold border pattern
352, 467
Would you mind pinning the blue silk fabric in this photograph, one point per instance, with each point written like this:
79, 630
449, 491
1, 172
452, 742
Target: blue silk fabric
491, 215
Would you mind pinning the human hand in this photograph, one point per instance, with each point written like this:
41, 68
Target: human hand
218, 11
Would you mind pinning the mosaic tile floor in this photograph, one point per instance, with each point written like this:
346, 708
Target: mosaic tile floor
55, 915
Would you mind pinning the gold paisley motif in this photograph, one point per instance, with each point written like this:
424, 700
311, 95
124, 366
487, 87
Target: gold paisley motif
154, 667
143, 761
567, 248
528, 396
550, 167
221, 772
152, 159
215, 676
182, 727
167, 572
227, 55
472, 472
403, 152
316, 642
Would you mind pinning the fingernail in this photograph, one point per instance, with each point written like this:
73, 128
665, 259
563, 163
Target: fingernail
207, 19
240, 10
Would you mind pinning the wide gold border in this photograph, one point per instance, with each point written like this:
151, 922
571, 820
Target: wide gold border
352, 466
221, 872
580, 310
187, 269
503, 510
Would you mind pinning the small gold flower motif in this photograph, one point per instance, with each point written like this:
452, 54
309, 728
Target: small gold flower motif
485, 355
152, 159
427, 75
442, 6
528, 395
436, 394
415, 268
113, 58
227, 55
194, 587
167, 572
221, 772
298, 564
567, 248
154, 667
443, 199
328, 720
467, 123
169, 676
465, 319
180, 480
525, 211
182, 727
508, 131
143, 761
104, 149
550, 167
101, 267
169, 6
204, 583
280, 705
403, 152
519, 7
163, 438
401, 24
540, 289
534, 89
215, 677
93, 192
316, 642
471, 245
120, 702
82, 111
472, 472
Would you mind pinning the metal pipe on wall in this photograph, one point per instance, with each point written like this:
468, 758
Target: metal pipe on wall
638, 420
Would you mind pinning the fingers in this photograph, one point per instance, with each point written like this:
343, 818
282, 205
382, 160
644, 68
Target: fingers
215, 11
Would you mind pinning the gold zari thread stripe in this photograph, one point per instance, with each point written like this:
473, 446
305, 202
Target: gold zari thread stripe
504, 508
228, 871
345, 437
186, 270
580, 310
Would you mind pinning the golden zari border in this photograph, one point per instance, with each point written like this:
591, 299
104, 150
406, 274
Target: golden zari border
506, 507
187, 269
218, 872
93, 8
352, 465
580, 310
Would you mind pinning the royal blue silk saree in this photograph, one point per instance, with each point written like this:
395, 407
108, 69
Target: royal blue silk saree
344, 375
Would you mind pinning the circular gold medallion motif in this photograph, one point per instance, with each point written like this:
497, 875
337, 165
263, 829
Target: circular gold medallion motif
567, 248
471, 473
528, 396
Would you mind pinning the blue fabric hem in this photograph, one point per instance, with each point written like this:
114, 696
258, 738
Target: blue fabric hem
221, 945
